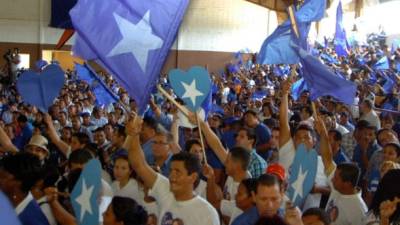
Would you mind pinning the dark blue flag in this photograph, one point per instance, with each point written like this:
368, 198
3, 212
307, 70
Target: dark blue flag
298, 87
60, 13
104, 96
340, 41
322, 81
131, 39
276, 48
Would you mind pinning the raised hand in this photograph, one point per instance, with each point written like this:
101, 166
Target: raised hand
134, 125
387, 208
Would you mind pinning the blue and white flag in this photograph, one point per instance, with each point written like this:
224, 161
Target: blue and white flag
131, 39
340, 42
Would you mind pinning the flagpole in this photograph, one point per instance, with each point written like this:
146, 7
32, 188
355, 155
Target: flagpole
201, 139
183, 109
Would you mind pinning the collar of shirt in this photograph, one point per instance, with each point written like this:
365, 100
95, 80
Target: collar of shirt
22, 205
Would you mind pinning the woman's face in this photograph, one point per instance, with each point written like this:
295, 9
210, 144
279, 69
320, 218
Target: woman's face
121, 170
390, 154
242, 198
197, 150
109, 217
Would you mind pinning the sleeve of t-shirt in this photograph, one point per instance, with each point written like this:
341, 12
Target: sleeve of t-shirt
227, 207
160, 189
286, 154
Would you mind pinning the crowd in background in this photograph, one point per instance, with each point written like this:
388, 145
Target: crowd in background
155, 169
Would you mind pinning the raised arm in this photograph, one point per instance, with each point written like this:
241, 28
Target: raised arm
175, 148
211, 138
284, 135
6, 143
135, 152
325, 147
52, 133
214, 192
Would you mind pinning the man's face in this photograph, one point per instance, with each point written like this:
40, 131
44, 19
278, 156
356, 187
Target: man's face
76, 123
180, 180
274, 142
369, 135
303, 137
268, 200
160, 146
100, 137
250, 120
337, 181
243, 140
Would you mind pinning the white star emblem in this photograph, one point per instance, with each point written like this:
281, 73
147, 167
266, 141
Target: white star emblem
84, 199
298, 184
191, 91
136, 39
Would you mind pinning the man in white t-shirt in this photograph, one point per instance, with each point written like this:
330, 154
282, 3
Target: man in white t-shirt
288, 145
175, 196
345, 205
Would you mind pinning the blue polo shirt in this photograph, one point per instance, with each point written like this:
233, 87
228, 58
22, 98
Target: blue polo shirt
263, 134
357, 156
250, 217
340, 157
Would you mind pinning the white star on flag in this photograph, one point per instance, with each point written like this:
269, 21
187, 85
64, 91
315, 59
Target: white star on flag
84, 199
136, 39
191, 91
298, 184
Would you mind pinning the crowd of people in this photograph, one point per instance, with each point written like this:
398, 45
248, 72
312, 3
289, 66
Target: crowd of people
157, 171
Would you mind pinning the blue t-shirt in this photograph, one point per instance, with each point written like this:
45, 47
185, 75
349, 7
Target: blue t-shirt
263, 134
228, 138
357, 156
213, 161
32, 215
340, 157
250, 217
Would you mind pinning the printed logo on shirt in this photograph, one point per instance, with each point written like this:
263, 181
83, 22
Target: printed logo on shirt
168, 219
333, 211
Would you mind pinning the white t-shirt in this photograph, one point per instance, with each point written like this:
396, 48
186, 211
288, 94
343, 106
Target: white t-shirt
134, 191
230, 188
130, 190
229, 209
195, 211
46, 209
201, 189
345, 209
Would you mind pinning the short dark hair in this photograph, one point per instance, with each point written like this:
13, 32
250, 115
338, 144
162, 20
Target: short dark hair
99, 129
349, 172
25, 167
368, 103
120, 130
128, 211
80, 156
242, 155
190, 143
267, 180
336, 135
251, 134
250, 184
304, 127
150, 122
320, 213
191, 162
83, 138
307, 109
22, 118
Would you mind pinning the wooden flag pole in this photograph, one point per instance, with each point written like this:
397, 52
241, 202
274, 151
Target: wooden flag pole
293, 21
201, 139
183, 109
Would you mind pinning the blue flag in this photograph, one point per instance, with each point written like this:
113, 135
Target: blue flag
395, 46
340, 41
104, 96
302, 175
85, 195
276, 48
298, 87
7, 212
322, 81
60, 13
40, 64
389, 85
382, 64
131, 39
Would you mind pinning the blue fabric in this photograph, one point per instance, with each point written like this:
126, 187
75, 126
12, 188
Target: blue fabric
228, 138
24, 137
276, 48
322, 81
250, 217
33, 215
373, 180
152, 25
7, 212
263, 134
382, 64
340, 35
357, 156
298, 87
340, 157
213, 161
148, 152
